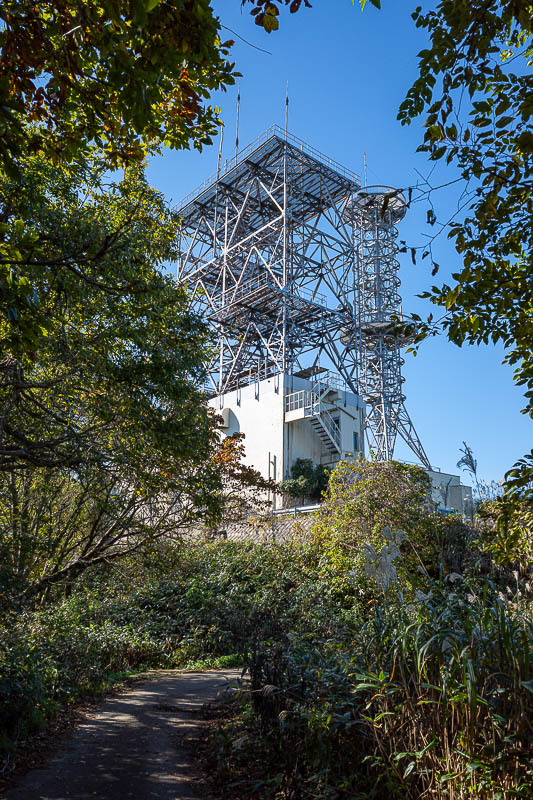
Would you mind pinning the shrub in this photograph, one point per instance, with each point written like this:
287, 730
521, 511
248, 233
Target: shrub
307, 480
364, 498
431, 699
167, 608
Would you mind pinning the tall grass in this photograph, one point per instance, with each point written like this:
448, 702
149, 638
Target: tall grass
433, 699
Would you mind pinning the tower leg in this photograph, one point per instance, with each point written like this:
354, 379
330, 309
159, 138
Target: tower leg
406, 429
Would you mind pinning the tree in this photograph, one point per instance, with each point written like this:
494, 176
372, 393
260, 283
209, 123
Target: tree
120, 352
125, 77
243, 492
105, 441
371, 505
506, 533
307, 480
475, 91
56, 523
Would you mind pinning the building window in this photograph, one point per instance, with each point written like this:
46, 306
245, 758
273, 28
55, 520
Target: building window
355, 442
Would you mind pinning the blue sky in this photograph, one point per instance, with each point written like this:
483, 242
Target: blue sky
348, 71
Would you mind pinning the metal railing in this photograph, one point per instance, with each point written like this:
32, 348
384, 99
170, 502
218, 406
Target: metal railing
311, 297
329, 380
332, 429
260, 281
302, 399
274, 130
309, 401
250, 286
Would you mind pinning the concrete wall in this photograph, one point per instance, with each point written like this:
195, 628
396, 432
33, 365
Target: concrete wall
449, 494
273, 445
257, 411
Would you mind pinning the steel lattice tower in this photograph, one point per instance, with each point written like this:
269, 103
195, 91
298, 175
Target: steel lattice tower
379, 337
282, 252
268, 255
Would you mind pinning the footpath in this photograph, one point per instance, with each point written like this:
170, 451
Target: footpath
139, 745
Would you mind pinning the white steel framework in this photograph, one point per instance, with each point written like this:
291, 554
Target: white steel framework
378, 333
278, 250
268, 256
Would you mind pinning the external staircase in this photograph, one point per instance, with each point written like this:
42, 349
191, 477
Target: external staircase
310, 404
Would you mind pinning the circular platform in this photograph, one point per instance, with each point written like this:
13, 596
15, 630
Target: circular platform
374, 197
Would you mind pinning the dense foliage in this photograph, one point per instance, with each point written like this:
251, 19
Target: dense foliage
475, 90
118, 350
423, 684
430, 698
402, 667
167, 606
307, 480
123, 76
365, 498
105, 441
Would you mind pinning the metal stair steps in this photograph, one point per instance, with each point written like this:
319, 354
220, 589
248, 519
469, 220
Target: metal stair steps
325, 438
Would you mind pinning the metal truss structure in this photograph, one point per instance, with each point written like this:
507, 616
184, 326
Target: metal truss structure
378, 334
279, 250
268, 256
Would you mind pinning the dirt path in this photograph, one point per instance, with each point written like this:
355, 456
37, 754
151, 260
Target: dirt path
137, 746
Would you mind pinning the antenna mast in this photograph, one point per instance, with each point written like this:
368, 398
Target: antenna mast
238, 113
286, 110
219, 160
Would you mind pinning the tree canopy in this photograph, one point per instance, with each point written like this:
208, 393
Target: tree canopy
125, 77
118, 350
105, 439
475, 93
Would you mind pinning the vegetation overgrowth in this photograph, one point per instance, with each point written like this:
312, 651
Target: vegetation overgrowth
382, 661
390, 653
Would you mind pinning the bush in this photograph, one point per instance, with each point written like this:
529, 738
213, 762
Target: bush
432, 699
364, 498
203, 605
60, 655
307, 480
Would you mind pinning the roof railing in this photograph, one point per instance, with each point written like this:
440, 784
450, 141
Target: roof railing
274, 130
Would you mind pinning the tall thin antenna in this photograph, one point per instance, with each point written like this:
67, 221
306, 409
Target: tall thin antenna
286, 109
364, 168
238, 112
219, 160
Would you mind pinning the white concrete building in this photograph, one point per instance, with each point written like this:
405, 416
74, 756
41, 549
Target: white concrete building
449, 494
286, 417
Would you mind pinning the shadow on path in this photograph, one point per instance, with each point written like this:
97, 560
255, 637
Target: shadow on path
138, 745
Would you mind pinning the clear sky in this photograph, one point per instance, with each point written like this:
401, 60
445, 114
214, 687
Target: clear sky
348, 71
